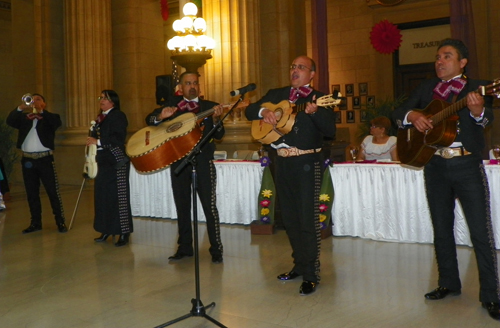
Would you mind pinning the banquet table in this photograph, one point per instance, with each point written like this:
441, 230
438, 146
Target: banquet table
379, 201
388, 202
238, 186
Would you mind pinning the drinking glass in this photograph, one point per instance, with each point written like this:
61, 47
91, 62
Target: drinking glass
354, 153
496, 153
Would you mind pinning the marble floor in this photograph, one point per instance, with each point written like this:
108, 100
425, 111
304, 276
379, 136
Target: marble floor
48, 279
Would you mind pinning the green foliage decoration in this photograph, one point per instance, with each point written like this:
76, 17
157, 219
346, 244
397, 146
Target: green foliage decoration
8, 152
383, 107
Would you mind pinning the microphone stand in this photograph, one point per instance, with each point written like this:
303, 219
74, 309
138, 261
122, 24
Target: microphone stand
198, 309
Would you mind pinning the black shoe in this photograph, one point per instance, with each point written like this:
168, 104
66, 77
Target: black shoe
122, 240
32, 228
217, 259
440, 293
62, 228
307, 287
493, 309
288, 275
179, 255
101, 238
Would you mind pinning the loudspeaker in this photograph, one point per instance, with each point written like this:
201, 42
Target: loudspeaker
164, 89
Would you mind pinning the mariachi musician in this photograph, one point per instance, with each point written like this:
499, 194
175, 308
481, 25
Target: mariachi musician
37, 128
113, 215
206, 178
454, 170
299, 167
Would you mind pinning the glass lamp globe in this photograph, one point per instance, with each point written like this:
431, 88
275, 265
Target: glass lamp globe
202, 41
187, 23
200, 25
175, 43
211, 43
170, 45
177, 26
190, 40
190, 9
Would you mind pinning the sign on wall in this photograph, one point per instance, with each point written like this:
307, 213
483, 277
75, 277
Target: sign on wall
420, 44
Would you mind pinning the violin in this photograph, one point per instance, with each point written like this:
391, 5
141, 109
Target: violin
90, 167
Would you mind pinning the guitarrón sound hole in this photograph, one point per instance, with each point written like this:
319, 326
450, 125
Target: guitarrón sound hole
174, 127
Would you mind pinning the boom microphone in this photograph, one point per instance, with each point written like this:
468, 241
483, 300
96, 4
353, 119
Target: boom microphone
242, 91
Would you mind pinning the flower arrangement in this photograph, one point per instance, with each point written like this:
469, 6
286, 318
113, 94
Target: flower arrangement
267, 194
385, 37
326, 197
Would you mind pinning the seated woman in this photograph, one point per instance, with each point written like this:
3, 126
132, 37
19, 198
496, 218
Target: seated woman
379, 145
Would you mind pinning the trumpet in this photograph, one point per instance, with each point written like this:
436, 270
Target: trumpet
28, 100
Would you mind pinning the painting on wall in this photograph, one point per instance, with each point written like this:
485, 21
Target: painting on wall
350, 116
363, 89
349, 90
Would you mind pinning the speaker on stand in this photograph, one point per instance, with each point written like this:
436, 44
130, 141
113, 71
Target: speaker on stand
164, 89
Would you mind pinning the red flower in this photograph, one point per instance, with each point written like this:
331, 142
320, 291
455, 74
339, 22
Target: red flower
323, 208
164, 9
265, 203
385, 37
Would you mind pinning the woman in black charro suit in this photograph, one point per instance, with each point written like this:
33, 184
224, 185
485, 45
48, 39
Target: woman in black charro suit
113, 214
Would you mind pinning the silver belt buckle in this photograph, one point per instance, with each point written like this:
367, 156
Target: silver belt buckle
283, 152
446, 153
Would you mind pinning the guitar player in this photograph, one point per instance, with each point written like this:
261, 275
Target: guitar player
457, 171
206, 174
299, 168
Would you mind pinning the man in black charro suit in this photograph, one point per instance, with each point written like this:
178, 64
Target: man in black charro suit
457, 171
36, 140
205, 168
299, 168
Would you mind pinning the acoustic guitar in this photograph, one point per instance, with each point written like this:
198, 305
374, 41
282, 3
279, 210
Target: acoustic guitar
155, 147
416, 148
285, 114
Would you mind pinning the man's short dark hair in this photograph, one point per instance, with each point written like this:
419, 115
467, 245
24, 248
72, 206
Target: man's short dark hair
187, 73
461, 48
39, 95
313, 65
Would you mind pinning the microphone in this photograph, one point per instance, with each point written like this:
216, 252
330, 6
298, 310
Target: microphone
242, 91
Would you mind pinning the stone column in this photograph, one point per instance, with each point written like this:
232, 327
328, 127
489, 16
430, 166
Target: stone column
37, 52
138, 56
234, 24
89, 66
37, 58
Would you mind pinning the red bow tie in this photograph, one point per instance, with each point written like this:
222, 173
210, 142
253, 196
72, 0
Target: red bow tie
188, 106
301, 92
101, 117
443, 89
32, 116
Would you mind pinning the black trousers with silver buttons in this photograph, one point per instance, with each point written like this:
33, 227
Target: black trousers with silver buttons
464, 178
36, 171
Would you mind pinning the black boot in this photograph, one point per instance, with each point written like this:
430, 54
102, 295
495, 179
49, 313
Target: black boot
101, 238
122, 240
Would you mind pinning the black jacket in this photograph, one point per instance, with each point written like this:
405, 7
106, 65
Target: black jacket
308, 130
471, 131
45, 128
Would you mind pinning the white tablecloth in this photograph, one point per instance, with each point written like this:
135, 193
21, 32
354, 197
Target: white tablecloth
238, 186
388, 202
375, 201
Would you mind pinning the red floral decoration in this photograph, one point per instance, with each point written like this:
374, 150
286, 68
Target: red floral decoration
164, 9
385, 37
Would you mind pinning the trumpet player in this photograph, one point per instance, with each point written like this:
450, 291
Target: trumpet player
36, 133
